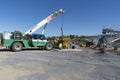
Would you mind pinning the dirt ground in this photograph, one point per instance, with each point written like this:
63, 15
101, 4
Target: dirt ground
80, 64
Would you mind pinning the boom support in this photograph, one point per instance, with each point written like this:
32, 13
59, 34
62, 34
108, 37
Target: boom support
44, 21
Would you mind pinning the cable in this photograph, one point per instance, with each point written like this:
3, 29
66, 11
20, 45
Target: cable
62, 24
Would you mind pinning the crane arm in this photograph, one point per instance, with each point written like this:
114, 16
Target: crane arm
44, 21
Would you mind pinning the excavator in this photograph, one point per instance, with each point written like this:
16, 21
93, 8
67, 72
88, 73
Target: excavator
16, 41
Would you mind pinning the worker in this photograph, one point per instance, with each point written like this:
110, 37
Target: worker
102, 43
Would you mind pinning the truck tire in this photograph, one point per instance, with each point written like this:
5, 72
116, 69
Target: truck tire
49, 46
17, 46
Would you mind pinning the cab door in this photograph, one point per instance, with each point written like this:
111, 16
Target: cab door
34, 40
41, 41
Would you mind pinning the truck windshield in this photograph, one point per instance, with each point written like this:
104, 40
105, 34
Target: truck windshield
38, 36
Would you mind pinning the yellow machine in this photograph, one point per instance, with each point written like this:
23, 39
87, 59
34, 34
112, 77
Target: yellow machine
62, 43
84, 44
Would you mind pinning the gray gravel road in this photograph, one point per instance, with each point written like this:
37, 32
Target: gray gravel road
61, 65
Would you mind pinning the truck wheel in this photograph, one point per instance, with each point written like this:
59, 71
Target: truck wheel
49, 46
17, 46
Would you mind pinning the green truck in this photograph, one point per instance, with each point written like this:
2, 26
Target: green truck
16, 41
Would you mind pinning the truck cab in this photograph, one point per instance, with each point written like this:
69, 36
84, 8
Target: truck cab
38, 40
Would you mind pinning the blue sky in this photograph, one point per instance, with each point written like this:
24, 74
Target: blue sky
81, 17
